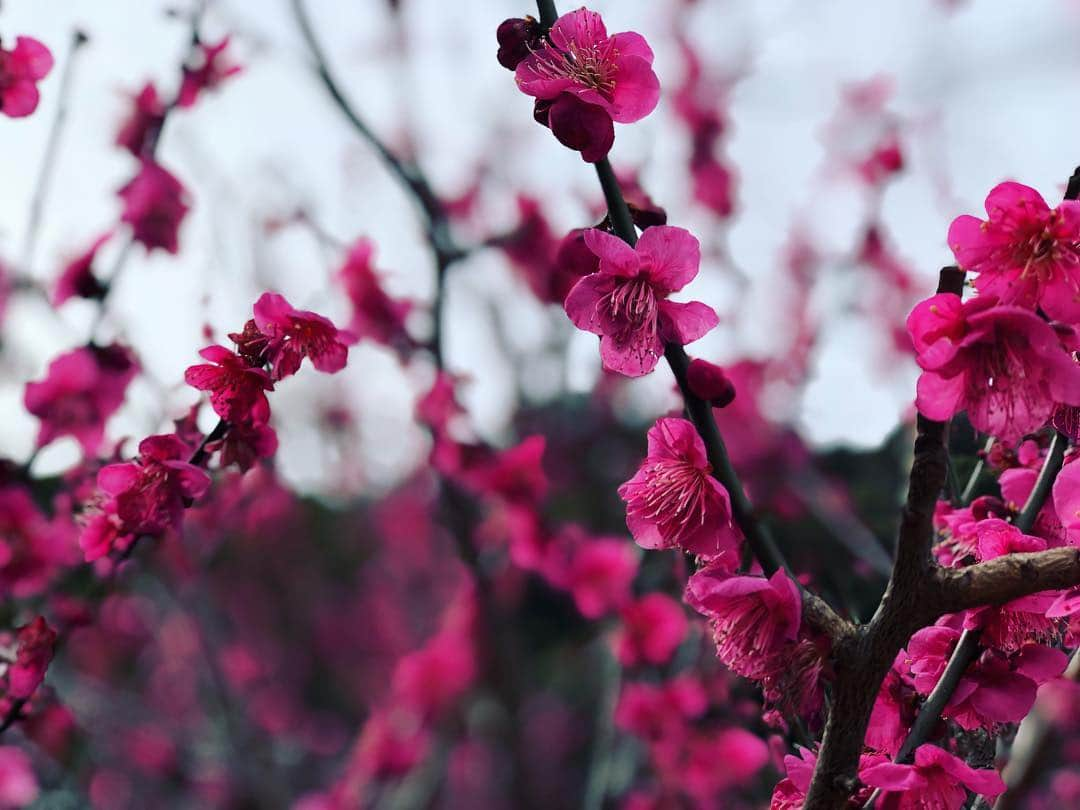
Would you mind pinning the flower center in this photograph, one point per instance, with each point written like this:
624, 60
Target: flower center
674, 496
634, 303
591, 66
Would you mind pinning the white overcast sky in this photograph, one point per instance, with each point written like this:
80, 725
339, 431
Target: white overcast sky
993, 86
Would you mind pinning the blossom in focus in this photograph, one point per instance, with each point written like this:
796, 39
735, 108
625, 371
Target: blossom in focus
753, 619
674, 501
213, 67
935, 779
155, 203
21, 69
1004, 365
150, 493
1025, 252
293, 334
584, 80
81, 390
626, 301
237, 390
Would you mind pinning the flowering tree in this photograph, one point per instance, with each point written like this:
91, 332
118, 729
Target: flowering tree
693, 609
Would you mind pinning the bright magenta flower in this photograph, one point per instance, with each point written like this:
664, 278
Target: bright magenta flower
1004, 365
652, 629
293, 334
754, 620
36, 643
81, 390
584, 80
936, 779
212, 69
626, 301
674, 501
599, 575
155, 203
237, 390
376, 316
1025, 252
18, 784
77, 280
21, 69
140, 129
996, 689
150, 494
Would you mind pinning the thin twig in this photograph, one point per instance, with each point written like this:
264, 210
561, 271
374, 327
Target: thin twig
49, 159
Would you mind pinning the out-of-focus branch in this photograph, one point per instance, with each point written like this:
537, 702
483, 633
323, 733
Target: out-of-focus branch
408, 173
52, 146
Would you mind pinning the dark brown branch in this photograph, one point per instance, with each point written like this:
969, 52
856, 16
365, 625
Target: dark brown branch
48, 162
1003, 579
408, 173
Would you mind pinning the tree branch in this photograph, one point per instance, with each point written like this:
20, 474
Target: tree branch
1012, 576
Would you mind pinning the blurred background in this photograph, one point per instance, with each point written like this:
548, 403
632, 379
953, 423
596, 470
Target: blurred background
818, 150
977, 92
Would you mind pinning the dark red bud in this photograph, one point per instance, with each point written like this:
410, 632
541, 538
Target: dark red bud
708, 382
517, 37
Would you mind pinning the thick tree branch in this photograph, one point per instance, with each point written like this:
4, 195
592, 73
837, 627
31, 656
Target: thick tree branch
1003, 579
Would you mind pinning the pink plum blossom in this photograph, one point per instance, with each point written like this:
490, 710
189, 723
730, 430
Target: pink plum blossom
155, 203
584, 80
652, 629
754, 620
293, 334
150, 494
36, 643
21, 69
18, 784
673, 501
376, 316
139, 131
935, 779
213, 67
626, 301
81, 390
1004, 365
1025, 252
599, 575
77, 280
237, 391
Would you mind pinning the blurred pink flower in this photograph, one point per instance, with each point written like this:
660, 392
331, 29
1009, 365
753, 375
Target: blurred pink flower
155, 203
21, 69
